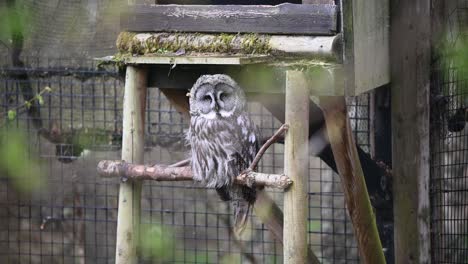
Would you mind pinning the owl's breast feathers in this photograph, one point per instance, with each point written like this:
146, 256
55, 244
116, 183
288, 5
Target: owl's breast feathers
221, 148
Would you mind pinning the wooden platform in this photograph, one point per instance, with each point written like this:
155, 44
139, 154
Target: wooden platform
255, 73
162, 35
208, 59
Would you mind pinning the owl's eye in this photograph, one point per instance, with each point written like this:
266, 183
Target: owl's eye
223, 96
207, 98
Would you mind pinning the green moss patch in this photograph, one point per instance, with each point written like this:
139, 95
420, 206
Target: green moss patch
162, 43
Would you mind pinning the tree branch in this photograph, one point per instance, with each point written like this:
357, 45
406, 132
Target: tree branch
267, 144
110, 168
181, 171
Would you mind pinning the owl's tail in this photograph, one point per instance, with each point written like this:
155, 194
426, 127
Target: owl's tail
241, 213
243, 199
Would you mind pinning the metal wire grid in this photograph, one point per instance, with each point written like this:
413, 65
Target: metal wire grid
74, 218
449, 147
449, 170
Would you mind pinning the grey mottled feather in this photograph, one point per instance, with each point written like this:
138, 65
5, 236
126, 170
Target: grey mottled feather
222, 147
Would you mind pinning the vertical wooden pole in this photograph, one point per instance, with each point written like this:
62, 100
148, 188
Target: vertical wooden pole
296, 166
352, 179
128, 218
410, 43
265, 207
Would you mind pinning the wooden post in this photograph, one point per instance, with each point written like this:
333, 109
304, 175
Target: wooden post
352, 179
296, 165
128, 218
265, 207
410, 43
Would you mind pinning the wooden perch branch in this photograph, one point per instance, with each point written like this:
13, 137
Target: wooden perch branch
180, 171
267, 144
110, 168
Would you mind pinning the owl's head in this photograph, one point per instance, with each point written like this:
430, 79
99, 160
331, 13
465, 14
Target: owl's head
215, 96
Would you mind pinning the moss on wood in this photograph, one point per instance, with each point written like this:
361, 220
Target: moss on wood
125, 41
162, 43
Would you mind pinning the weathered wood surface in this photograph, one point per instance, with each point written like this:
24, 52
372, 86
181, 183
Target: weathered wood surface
281, 19
221, 45
352, 179
411, 70
198, 60
366, 44
129, 210
296, 165
255, 78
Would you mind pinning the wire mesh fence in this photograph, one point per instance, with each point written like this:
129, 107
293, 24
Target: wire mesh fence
71, 218
449, 170
449, 142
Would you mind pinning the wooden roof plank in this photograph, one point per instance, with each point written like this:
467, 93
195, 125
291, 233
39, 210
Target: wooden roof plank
281, 19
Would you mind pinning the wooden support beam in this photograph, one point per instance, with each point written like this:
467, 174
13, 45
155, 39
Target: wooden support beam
365, 30
197, 48
128, 218
197, 60
375, 175
281, 19
352, 179
296, 165
410, 74
258, 78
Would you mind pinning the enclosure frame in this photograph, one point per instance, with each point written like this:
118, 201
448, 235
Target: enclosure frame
355, 71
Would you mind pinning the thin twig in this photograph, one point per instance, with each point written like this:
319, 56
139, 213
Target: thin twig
26, 104
181, 163
267, 144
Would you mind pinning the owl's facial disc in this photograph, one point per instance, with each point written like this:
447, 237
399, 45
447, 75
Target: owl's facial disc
226, 98
206, 101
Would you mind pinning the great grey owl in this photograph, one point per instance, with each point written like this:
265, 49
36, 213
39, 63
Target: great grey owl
224, 141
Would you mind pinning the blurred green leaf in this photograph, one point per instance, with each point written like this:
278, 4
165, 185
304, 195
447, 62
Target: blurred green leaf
14, 21
454, 56
314, 225
11, 114
17, 163
157, 242
231, 259
192, 257
40, 99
